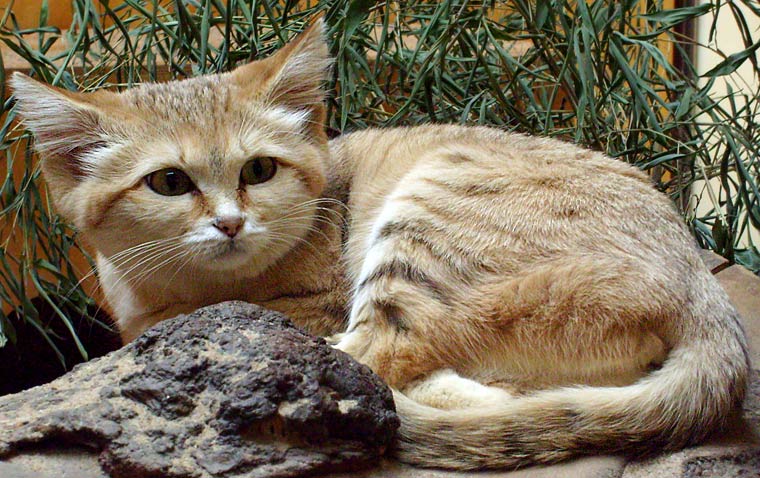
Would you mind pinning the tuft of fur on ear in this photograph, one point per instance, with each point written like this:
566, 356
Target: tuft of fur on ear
66, 125
305, 63
294, 76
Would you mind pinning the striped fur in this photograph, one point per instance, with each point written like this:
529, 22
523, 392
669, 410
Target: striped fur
528, 300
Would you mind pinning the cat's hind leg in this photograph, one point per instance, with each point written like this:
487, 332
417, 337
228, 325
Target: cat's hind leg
383, 336
407, 316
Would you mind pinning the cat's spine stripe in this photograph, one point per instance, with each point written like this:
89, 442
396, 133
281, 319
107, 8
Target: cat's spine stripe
458, 158
469, 188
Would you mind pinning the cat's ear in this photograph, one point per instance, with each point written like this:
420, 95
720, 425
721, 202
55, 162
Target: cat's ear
295, 75
66, 124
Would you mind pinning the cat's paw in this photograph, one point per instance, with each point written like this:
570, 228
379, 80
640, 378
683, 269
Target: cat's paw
334, 339
354, 343
447, 390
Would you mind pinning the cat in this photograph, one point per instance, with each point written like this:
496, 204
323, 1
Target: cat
527, 300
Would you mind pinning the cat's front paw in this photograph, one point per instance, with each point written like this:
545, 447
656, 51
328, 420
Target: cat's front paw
334, 339
354, 343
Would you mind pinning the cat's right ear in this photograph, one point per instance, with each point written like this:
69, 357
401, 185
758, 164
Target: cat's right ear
66, 125
294, 76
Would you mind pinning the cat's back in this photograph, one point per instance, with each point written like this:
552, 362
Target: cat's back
489, 188
379, 154
487, 164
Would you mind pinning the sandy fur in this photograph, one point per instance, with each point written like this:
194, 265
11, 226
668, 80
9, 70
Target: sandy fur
528, 300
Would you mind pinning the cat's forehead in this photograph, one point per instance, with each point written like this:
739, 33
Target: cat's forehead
202, 119
211, 102
192, 100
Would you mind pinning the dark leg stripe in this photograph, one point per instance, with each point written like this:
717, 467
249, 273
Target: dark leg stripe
418, 234
398, 269
392, 314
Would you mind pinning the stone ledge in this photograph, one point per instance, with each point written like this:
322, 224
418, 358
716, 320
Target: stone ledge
735, 452
743, 287
704, 461
713, 261
586, 467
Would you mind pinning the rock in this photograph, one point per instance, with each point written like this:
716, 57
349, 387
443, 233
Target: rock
744, 289
230, 390
53, 462
713, 261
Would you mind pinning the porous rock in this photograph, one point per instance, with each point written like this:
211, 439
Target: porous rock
231, 390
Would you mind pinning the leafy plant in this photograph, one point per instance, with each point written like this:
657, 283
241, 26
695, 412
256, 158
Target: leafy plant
597, 73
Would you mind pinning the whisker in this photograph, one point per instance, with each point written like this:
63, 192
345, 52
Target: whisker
311, 229
310, 220
191, 254
144, 244
122, 257
143, 275
289, 238
125, 275
306, 206
151, 255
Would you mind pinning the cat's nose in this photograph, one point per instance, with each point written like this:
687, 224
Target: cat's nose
229, 225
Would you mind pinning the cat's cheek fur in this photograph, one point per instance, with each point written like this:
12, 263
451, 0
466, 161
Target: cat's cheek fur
144, 211
87, 204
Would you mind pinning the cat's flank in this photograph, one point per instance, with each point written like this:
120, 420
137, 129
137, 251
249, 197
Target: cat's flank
528, 300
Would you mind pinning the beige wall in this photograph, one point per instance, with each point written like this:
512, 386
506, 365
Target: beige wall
728, 41
27, 12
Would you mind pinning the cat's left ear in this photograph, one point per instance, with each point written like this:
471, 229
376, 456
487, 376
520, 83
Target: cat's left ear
67, 125
295, 75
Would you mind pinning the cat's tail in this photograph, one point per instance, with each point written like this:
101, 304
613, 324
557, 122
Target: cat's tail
701, 381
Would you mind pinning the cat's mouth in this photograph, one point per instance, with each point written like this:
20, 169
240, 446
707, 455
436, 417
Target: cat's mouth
227, 255
230, 248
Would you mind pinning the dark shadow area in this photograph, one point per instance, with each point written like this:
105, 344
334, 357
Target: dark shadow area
31, 361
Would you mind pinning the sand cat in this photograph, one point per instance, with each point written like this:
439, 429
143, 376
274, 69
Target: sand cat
528, 299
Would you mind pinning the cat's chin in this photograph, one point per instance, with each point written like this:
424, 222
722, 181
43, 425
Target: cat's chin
226, 260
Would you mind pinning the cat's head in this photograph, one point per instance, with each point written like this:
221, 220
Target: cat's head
224, 168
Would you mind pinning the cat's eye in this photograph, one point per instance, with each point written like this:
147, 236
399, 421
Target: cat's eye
170, 182
258, 170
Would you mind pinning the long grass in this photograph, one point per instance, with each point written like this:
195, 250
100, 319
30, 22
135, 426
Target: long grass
598, 73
